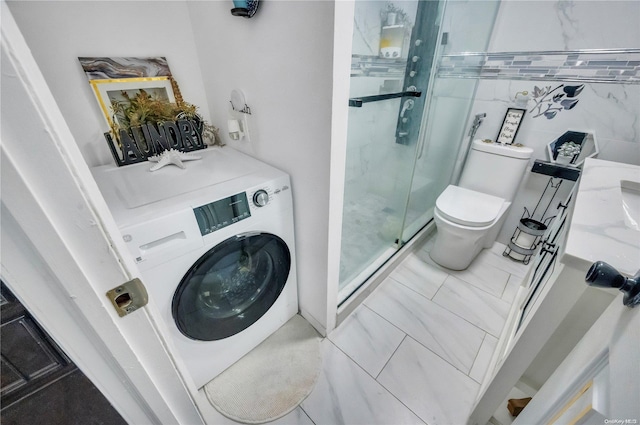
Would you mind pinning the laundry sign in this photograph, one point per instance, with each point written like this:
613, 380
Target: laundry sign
147, 140
510, 125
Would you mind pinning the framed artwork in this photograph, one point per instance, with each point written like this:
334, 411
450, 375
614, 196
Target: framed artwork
117, 90
510, 125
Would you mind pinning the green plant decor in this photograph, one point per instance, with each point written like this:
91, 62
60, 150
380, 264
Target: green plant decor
144, 108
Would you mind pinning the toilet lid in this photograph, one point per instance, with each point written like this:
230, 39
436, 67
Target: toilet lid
468, 207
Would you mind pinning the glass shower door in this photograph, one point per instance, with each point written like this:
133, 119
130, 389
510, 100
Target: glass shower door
466, 27
393, 50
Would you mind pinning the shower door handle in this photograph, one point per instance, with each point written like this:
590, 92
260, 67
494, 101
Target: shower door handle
357, 102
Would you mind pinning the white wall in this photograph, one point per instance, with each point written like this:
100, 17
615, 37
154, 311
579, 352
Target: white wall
611, 110
58, 32
282, 60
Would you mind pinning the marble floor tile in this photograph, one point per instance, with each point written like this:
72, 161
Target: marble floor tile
437, 392
296, 417
368, 339
472, 304
427, 244
346, 394
484, 357
494, 257
422, 277
446, 334
511, 290
480, 274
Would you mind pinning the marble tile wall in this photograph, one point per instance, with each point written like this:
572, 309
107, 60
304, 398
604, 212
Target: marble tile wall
609, 106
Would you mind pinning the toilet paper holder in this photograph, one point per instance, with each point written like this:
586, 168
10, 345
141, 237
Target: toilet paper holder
529, 232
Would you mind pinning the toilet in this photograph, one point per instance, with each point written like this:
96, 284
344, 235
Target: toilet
469, 216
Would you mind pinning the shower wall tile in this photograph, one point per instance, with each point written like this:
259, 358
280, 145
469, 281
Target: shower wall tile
368, 24
566, 25
366, 28
468, 25
433, 389
457, 343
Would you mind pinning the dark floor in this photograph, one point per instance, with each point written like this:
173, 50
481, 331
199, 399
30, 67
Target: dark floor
71, 400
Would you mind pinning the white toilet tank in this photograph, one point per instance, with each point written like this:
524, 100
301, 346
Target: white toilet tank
495, 169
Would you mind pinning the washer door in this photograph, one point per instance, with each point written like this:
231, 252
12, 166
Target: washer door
231, 286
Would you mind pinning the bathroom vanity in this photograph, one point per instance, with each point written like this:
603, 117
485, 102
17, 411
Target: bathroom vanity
554, 307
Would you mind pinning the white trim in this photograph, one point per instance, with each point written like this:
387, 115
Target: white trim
342, 43
62, 260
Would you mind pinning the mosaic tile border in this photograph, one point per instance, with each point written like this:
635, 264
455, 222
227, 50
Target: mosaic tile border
596, 66
374, 66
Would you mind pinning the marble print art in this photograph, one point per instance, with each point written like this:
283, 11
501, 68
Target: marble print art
101, 68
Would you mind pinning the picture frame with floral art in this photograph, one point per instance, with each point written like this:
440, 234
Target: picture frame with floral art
109, 91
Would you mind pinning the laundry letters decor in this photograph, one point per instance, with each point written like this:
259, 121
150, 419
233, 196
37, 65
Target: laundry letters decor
147, 140
510, 125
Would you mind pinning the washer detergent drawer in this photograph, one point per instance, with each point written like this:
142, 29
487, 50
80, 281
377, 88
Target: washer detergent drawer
156, 241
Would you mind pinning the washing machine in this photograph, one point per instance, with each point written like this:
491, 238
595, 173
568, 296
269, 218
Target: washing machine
214, 243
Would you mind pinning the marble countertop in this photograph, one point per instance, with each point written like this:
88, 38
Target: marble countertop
598, 231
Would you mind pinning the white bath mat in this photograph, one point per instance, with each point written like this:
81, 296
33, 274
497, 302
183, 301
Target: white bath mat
272, 379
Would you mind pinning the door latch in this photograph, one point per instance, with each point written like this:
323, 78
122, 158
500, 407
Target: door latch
128, 297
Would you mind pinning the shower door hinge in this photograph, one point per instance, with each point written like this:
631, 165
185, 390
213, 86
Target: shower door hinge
128, 297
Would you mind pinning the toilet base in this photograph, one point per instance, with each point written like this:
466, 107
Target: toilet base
455, 252
457, 246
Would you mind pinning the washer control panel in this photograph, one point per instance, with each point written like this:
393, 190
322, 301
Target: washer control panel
222, 213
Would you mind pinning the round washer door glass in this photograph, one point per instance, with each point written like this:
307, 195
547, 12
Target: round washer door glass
231, 286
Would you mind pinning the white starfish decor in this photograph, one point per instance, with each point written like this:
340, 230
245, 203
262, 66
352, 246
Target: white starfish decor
171, 156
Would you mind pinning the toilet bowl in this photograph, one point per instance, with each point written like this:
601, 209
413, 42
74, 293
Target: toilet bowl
469, 216
467, 221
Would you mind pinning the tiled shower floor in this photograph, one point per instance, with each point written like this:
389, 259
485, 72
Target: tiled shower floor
416, 350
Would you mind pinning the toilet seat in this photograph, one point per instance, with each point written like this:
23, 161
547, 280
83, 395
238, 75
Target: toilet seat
468, 207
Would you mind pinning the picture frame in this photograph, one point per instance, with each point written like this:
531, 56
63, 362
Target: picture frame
510, 125
108, 90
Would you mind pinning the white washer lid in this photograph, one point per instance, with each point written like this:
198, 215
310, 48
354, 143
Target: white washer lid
468, 207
